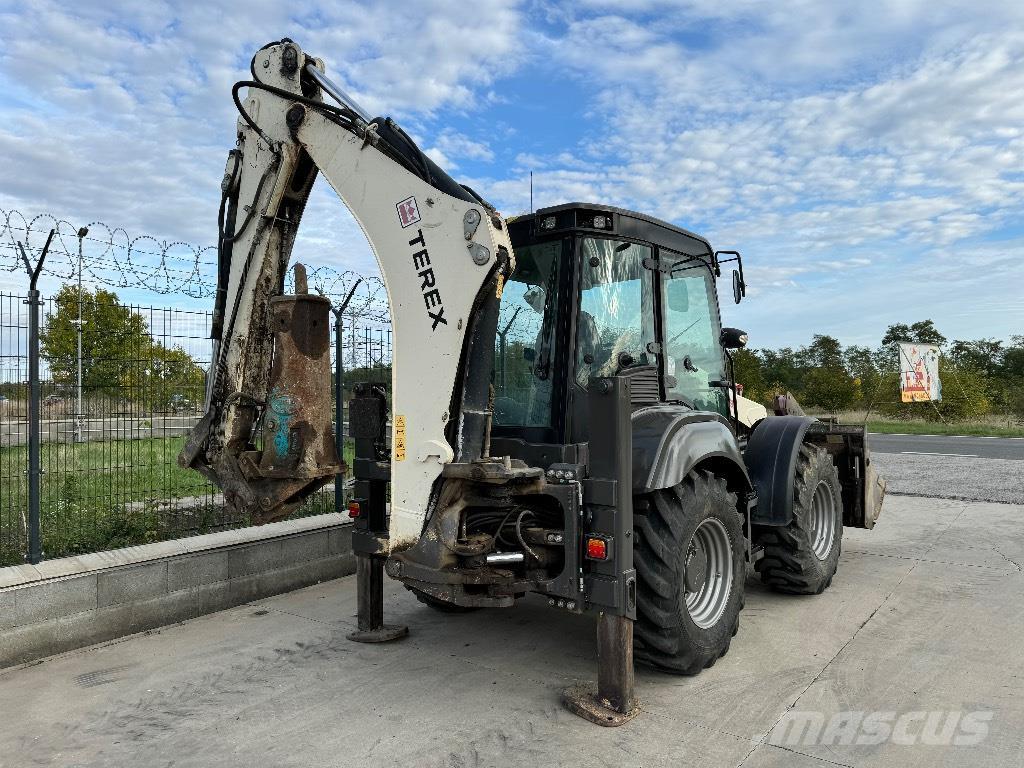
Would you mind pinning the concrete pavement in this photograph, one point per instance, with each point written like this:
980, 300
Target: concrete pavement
925, 616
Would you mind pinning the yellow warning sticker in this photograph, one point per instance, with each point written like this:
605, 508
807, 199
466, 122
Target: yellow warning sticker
399, 438
501, 286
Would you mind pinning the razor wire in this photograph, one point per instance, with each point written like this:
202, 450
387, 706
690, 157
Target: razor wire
113, 258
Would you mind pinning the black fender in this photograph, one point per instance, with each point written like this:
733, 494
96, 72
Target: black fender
771, 457
669, 441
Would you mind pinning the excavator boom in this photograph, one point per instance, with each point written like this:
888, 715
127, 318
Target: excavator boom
266, 437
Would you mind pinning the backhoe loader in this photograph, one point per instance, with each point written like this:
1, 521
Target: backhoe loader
562, 417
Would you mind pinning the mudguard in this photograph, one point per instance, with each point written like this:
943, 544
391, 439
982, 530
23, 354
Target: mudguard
771, 457
669, 441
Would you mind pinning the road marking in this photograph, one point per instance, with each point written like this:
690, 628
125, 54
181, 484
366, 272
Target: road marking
929, 453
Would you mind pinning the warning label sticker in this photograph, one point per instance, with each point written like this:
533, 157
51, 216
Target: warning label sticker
399, 446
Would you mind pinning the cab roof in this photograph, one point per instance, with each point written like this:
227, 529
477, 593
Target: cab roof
619, 221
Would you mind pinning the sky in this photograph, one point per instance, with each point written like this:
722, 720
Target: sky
866, 158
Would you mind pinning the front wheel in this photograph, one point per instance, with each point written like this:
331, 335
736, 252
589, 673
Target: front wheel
802, 557
690, 569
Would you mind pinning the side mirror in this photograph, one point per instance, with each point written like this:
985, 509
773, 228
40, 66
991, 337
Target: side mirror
739, 282
739, 287
733, 338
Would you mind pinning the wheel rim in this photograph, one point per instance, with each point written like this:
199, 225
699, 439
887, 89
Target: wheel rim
708, 579
822, 522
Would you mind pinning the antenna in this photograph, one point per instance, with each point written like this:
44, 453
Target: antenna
531, 192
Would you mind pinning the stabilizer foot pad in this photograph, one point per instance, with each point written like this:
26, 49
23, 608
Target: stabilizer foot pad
384, 634
582, 700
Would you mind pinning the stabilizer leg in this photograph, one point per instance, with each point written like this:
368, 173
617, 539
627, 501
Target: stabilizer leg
613, 702
370, 597
368, 417
609, 504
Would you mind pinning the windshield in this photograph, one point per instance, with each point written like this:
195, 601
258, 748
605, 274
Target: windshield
525, 345
693, 355
615, 324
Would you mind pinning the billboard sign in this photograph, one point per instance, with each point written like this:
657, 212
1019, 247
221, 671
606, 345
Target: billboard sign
919, 373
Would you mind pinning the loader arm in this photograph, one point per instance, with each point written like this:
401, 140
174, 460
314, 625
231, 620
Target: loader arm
266, 437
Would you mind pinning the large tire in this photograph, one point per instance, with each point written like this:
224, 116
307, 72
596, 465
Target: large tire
684, 624
802, 557
443, 606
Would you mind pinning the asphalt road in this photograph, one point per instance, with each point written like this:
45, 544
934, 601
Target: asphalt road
62, 430
941, 445
968, 468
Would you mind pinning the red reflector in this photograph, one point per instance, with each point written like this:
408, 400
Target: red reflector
597, 549
353, 509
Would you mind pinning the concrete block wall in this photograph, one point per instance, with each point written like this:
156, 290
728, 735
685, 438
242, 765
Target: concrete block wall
64, 604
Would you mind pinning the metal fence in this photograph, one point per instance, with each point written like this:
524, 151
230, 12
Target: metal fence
118, 393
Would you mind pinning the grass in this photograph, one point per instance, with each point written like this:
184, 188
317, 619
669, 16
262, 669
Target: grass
937, 428
107, 494
987, 426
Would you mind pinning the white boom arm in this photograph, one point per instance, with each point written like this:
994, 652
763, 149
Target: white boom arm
441, 253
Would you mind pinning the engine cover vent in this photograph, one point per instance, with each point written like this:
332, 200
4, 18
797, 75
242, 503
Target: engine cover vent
645, 389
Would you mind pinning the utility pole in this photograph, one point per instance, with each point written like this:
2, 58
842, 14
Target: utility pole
79, 437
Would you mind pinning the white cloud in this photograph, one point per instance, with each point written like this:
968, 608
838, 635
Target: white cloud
451, 147
840, 148
122, 112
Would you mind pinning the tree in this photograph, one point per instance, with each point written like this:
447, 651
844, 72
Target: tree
831, 388
982, 354
862, 366
1013, 358
111, 334
780, 370
823, 352
921, 332
119, 356
747, 370
1011, 377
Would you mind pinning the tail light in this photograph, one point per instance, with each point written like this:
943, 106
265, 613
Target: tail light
597, 548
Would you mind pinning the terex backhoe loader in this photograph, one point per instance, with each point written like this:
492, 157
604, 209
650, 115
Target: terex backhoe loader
562, 419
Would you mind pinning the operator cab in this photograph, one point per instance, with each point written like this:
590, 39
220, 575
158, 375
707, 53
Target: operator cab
601, 291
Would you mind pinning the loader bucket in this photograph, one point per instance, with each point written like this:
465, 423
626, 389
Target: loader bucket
863, 488
874, 492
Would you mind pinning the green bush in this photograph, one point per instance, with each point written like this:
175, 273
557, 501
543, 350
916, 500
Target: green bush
965, 396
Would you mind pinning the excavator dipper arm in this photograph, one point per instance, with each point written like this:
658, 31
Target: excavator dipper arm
266, 437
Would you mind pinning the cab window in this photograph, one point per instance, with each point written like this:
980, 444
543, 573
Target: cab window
615, 323
526, 343
693, 355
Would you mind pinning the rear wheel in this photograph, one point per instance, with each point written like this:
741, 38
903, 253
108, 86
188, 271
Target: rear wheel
802, 557
690, 569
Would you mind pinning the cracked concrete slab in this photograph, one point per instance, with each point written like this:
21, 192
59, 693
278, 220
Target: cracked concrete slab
924, 615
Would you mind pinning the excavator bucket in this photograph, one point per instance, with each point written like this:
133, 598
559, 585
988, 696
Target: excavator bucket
292, 452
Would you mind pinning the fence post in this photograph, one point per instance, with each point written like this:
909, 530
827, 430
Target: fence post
339, 397
35, 541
